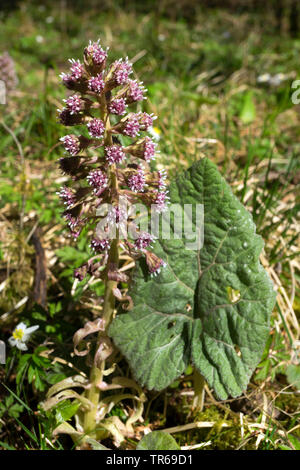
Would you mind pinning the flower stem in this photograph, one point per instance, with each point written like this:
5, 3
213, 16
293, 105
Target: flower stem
93, 393
96, 374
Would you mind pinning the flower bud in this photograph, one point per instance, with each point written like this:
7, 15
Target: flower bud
137, 181
129, 125
154, 263
98, 245
96, 84
95, 57
96, 128
135, 91
73, 144
118, 74
98, 180
114, 154
117, 106
143, 148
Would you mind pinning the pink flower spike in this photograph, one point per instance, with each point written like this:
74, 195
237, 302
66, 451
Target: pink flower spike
117, 106
71, 144
96, 84
75, 235
96, 128
114, 154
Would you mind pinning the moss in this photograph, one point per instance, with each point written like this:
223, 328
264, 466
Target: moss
289, 403
221, 438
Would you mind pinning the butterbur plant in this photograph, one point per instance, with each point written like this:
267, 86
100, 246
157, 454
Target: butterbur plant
208, 306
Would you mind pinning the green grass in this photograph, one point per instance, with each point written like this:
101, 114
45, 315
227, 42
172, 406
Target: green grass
202, 82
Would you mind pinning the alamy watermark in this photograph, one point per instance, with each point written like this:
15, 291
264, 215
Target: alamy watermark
2, 352
176, 222
2, 92
296, 94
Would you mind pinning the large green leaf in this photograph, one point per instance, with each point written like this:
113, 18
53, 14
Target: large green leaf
210, 306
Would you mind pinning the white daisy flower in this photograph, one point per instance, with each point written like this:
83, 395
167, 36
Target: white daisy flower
21, 335
264, 78
39, 39
154, 132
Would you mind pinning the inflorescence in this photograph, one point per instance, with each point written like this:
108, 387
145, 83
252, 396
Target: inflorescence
109, 153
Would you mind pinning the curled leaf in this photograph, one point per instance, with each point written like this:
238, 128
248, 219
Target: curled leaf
111, 401
79, 438
115, 275
116, 428
129, 383
66, 428
75, 381
89, 327
104, 350
64, 395
123, 298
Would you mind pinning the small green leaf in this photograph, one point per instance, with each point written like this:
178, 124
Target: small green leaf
294, 441
158, 440
210, 307
293, 375
264, 369
15, 410
248, 112
65, 410
31, 373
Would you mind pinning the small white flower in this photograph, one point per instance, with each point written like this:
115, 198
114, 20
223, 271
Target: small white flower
277, 79
265, 78
272, 80
21, 335
39, 39
154, 132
